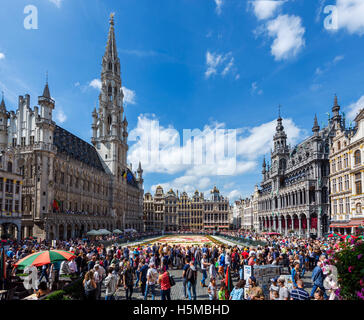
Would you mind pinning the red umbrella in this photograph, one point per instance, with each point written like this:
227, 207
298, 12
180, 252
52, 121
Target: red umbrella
44, 257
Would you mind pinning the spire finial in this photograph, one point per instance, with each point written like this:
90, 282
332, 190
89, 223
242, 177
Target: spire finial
112, 15
47, 77
279, 111
335, 100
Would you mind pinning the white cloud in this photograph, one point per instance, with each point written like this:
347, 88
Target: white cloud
169, 156
95, 83
327, 66
255, 89
57, 3
60, 116
351, 15
77, 84
219, 64
234, 195
355, 107
251, 144
2, 56
288, 33
264, 9
259, 140
219, 4
129, 96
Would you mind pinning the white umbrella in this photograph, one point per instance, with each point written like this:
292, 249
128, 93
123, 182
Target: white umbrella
117, 231
103, 232
93, 233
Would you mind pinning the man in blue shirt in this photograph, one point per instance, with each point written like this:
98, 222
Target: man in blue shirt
299, 293
143, 276
318, 280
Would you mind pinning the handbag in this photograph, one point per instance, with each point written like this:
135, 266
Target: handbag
172, 282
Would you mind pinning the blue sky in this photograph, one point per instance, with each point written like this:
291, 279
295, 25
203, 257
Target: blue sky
191, 64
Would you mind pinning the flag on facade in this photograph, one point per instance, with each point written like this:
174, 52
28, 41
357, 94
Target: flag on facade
56, 205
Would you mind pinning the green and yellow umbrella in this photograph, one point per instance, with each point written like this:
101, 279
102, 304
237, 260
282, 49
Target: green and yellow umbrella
41, 258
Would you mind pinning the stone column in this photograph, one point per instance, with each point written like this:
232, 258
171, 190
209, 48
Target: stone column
65, 232
72, 231
26, 231
285, 226
280, 224
3, 196
319, 222
308, 225
299, 225
13, 193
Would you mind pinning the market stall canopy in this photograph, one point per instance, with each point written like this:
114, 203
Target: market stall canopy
117, 231
130, 230
103, 232
93, 233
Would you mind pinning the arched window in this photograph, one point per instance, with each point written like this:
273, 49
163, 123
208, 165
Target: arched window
109, 90
110, 66
357, 157
358, 208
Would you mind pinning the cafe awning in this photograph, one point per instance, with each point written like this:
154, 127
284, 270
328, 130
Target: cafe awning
351, 224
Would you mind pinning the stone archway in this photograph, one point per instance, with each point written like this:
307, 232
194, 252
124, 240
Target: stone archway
69, 231
61, 229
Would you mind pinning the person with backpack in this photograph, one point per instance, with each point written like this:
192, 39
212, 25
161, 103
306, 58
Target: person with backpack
184, 276
191, 277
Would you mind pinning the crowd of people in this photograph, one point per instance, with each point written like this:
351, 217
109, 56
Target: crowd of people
145, 269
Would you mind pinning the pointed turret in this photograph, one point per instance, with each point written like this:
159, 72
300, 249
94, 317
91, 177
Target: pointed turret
46, 92
336, 117
316, 127
280, 137
4, 116
46, 103
264, 166
2, 104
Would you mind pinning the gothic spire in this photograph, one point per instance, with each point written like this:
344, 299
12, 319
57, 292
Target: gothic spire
279, 127
46, 92
316, 127
336, 106
2, 104
111, 51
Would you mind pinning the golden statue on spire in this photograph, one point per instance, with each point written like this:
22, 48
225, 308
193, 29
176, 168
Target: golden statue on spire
112, 15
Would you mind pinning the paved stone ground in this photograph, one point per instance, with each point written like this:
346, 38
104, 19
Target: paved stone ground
177, 290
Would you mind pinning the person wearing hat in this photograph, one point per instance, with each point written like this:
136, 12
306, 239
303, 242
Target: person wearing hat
254, 292
273, 288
